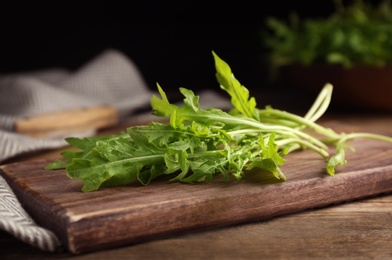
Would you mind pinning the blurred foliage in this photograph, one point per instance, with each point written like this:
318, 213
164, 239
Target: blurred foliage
356, 33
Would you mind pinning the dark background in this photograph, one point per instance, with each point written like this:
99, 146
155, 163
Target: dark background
170, 41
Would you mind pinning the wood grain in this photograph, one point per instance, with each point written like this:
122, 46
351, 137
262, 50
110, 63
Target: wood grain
67, 122
130, 214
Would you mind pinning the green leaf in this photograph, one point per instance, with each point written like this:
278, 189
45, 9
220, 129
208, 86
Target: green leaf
56, 165
238, 93
162, 106
336, 160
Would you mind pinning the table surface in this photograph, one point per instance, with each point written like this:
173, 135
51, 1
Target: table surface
359, 229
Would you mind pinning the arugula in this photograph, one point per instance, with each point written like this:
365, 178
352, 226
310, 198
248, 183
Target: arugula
198, 143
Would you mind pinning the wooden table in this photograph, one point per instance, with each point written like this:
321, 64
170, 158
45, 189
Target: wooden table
353, 230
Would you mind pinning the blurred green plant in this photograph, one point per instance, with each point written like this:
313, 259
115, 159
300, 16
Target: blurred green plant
358, 33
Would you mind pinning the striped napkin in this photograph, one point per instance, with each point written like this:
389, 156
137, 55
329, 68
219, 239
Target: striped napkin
111, 78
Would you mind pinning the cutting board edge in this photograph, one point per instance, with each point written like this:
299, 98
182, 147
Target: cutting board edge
262, 215
339, 181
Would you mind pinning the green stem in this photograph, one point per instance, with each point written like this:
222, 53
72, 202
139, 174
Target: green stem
321, 104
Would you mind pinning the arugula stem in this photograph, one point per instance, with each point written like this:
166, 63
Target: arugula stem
321, 104
344, 138
278, 115
249, 122
303, 143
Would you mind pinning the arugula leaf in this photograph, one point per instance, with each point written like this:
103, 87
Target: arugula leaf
161, 106
239, 94
200, 143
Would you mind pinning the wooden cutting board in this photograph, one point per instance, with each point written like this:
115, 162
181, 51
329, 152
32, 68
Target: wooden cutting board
116, 216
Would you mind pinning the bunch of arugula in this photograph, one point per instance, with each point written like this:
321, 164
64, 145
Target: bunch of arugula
196, 144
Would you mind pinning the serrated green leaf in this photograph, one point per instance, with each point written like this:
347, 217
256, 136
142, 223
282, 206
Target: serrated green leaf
238, 93
161, 106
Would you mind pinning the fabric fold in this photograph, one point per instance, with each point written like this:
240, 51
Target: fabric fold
17, 222
110, 79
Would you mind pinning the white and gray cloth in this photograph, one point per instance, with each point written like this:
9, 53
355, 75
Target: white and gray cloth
111, 78
17, 222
